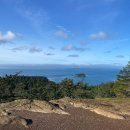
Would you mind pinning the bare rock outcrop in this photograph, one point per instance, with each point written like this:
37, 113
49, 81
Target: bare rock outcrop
6, 118
34, 106
108, 109
108, 114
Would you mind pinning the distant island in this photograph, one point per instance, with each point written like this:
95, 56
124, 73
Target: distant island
22, 97
16, 86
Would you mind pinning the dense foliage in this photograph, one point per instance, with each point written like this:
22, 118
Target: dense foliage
119, 88
123, 81
15, 87
35, 87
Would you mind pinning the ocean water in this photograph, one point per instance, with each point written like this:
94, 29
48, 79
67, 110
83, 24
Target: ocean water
94, 76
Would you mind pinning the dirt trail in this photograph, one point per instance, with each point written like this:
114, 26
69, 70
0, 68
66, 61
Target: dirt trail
80, 119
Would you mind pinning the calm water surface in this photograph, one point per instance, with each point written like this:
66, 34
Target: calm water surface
93, 75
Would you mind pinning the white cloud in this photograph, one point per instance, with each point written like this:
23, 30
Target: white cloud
108, 52
70, 47
49, 54
22, 48
99, 36
35, 50
73, 55
120, 56
61, 34
29, 49
9, 36
37, 17
51, 48
61, 27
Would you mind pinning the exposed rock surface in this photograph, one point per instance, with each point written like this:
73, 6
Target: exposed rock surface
108, 114
111, 109
79, 119
7, 118
34, 106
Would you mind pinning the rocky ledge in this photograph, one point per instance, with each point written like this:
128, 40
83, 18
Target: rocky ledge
112, 109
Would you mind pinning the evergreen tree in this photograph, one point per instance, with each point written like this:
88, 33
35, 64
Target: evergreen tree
123, 78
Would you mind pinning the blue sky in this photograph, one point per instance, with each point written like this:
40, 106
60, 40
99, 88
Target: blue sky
82, 32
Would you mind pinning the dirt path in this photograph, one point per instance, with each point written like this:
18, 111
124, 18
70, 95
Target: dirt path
79, 119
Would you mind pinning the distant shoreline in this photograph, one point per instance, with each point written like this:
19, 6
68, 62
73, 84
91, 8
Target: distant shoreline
94, 76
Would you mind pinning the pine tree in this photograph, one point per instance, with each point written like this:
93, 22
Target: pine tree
123, 78
124, 75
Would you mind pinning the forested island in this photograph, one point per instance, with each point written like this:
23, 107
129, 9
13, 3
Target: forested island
14, 87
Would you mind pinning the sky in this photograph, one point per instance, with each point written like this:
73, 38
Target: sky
79, 32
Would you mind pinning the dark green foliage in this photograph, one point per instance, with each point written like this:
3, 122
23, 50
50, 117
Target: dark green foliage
66, 88
105, 90
119, 88
124, 76
69, 89
31, 87
35, 87
123, 80
120, 91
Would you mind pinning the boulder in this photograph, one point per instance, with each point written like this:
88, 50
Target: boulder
6, 118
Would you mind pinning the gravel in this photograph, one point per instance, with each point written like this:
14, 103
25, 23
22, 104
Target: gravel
80, 119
